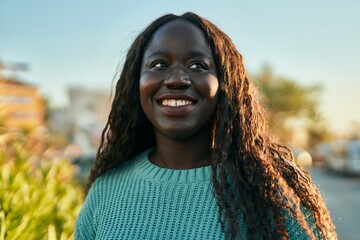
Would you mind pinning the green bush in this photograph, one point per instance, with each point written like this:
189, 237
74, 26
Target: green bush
39, 198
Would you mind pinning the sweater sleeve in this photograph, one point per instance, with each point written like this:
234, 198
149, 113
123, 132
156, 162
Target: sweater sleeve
85, 228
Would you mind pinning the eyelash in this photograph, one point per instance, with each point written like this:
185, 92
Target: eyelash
202, 66
199, 66
164, 65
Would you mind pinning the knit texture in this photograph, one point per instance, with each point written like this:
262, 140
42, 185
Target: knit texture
140, 200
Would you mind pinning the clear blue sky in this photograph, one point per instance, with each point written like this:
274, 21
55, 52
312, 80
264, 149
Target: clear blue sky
81, 42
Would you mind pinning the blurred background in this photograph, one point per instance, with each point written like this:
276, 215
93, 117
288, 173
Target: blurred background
58, 66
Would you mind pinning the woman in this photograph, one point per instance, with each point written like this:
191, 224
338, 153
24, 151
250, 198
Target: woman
186, 154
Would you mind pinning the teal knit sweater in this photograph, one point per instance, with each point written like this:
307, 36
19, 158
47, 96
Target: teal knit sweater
140, 200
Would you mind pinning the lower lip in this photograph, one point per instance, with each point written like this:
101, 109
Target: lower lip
179, 111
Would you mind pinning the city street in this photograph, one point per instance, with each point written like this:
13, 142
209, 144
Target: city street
342, 195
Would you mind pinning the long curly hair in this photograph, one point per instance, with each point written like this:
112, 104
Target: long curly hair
252, 174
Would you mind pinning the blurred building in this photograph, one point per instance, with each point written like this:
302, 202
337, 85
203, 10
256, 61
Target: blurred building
88, 112
21, 105
85, 117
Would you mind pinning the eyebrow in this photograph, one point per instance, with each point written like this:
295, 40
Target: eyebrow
192, 53
158, 53
196, 53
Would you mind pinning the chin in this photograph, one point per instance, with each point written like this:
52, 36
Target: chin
178, 135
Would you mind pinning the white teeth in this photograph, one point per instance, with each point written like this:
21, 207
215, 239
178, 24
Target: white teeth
175, 103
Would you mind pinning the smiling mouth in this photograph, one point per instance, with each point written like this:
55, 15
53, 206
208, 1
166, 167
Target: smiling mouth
176, 102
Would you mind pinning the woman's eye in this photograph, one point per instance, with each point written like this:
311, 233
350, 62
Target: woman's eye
197, 66
159, 65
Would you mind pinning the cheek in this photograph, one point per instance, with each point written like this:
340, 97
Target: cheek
213, 87
147, 86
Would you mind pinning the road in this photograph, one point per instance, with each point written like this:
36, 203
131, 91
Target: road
342, 196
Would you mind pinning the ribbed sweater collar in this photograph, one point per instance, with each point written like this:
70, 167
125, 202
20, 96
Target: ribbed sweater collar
146, 169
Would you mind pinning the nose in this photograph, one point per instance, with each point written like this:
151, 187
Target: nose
178, 79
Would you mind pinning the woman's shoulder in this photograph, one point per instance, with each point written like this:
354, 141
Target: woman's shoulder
126, 169
293, 226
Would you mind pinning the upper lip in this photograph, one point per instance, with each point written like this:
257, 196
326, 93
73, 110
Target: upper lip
176, 96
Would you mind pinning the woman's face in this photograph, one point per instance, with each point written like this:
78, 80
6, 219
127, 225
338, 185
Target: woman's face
178, 81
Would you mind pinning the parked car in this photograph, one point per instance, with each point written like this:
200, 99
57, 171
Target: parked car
344, 156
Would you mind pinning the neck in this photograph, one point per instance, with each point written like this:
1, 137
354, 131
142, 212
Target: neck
182, 154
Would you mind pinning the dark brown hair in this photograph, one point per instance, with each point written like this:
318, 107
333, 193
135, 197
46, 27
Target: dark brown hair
253, 174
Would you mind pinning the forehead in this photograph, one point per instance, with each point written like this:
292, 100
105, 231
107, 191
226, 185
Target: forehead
178, 35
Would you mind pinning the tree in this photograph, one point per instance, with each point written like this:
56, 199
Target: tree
291, 106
